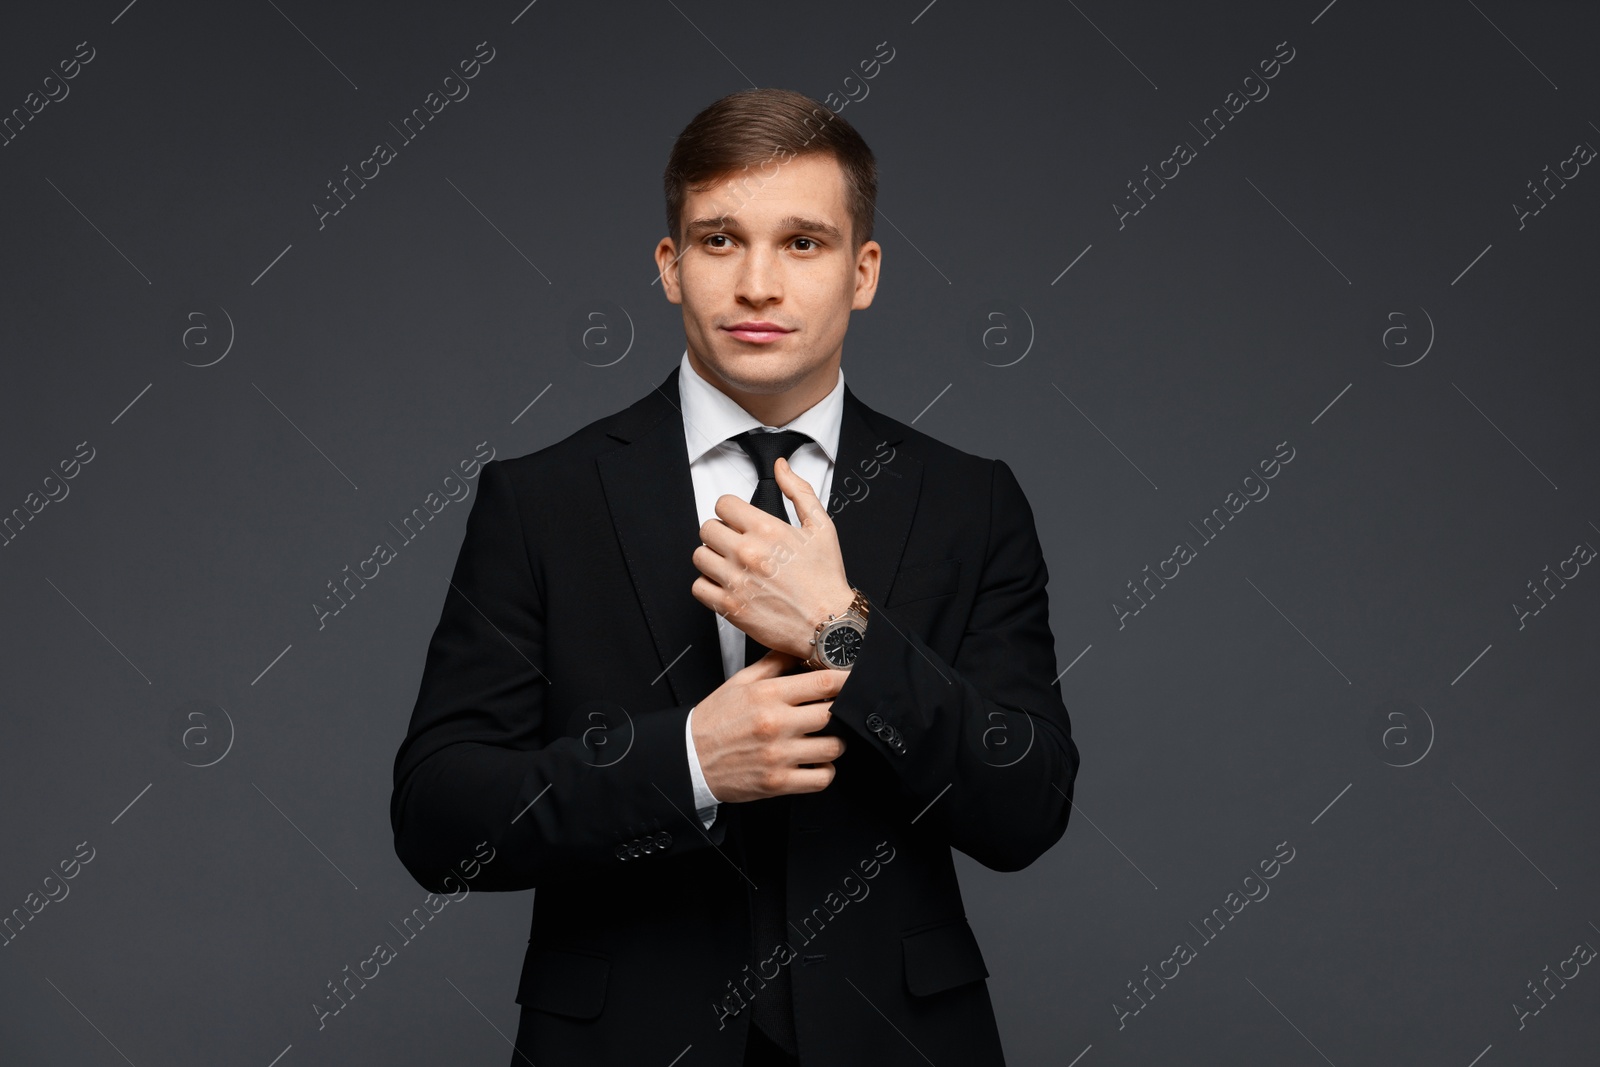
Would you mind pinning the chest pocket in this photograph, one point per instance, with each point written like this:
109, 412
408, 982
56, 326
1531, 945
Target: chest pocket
924, 581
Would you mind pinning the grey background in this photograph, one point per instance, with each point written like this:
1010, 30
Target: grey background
1248, 704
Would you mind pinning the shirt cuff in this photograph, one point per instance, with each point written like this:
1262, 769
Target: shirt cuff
705, 802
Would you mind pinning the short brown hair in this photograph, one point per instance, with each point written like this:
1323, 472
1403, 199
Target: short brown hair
760, 126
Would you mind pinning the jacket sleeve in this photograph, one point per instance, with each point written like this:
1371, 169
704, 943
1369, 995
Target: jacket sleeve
983, 746
475, 766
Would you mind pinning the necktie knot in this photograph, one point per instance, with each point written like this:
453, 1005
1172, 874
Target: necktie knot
764, 447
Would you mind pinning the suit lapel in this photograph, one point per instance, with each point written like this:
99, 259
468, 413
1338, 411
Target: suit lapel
651, 497
873, 530
650, 494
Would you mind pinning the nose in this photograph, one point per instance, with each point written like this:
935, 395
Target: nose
760, 280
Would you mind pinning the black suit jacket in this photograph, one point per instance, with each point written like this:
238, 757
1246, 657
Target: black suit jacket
550, 724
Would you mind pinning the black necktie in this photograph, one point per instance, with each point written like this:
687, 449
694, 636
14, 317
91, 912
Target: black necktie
765, 823
765, 447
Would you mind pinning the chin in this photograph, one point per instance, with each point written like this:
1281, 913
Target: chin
744, 379
759, 370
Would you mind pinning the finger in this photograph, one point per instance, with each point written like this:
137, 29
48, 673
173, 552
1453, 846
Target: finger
817, 685
823, 749
728, 601
715, 566
806, 719
771, 665
810, 779
719, 536
738, 513
799, 743
717, 597
797, 489
705, 591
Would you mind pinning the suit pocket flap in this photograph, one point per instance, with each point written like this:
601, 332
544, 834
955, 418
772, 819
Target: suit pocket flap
922, 581
942, 957
566, 983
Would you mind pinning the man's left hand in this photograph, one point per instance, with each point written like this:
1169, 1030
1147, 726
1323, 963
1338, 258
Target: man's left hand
772, 579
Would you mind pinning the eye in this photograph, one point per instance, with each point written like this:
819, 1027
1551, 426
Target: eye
717, 237
808, 241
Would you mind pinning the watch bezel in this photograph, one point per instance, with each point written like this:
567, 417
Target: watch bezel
855, 617
831, 628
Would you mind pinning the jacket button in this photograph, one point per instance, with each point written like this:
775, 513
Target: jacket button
875, 722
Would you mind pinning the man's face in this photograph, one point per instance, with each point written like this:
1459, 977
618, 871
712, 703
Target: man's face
769, 246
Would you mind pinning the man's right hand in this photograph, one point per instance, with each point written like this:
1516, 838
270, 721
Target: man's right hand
751, 731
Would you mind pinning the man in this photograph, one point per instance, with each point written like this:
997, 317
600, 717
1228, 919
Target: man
729, 737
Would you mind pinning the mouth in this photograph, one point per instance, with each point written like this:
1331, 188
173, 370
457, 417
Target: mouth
758, 332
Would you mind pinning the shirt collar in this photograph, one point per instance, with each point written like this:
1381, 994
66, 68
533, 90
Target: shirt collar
711, 416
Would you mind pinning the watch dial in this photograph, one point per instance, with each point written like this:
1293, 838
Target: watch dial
841, 645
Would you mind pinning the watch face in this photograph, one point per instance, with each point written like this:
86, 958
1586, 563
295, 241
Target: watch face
840, 645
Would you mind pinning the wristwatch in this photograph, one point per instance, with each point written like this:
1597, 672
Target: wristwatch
837, 641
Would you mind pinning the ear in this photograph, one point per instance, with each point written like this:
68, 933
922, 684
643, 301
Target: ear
867, 262
667, 267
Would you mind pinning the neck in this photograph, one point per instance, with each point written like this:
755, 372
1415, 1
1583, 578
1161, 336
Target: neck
775, 409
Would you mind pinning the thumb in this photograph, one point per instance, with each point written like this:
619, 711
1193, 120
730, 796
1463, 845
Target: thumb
797, 489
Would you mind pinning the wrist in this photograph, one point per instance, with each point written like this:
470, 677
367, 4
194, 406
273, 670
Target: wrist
838, 604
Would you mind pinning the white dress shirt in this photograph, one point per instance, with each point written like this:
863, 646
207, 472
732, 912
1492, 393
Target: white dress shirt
717, 466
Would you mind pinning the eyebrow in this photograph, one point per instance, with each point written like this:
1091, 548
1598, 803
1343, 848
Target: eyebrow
788, 222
